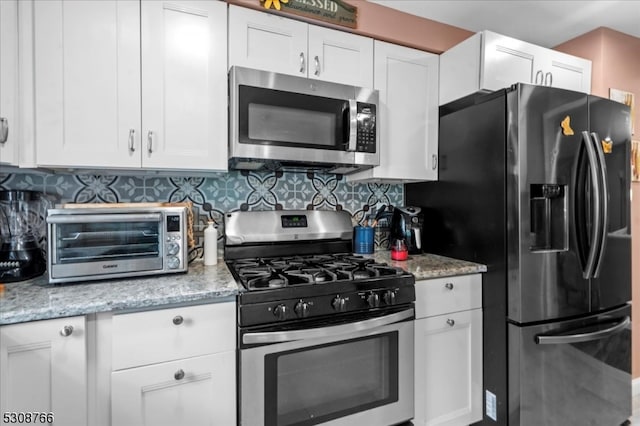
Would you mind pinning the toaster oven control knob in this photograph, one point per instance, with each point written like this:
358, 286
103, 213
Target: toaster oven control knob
373, 299
280, 312
339, 304
173, 248
389, 297
173, 262
302, 309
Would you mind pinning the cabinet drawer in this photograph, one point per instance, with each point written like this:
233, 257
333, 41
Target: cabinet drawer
450, 294
195, 391
156, 336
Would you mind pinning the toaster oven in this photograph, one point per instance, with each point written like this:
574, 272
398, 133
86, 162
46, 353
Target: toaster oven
98, 243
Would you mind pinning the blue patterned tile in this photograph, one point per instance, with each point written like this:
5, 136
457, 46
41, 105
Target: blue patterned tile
217, 193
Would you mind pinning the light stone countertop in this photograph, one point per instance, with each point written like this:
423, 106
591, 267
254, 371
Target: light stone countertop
36, 299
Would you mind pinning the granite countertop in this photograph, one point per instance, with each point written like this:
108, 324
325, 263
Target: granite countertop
36, 299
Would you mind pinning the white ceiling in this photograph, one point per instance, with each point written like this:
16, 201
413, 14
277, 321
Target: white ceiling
544, 22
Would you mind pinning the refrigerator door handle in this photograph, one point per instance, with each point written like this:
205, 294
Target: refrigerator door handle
559, 339
595, 229
603, 203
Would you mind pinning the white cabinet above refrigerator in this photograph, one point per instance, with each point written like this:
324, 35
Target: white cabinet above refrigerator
487, 61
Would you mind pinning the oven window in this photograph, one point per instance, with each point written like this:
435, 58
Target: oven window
275, 117
316, 384
101, 241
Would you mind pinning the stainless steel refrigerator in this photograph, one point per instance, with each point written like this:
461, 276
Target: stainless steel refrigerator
534, 182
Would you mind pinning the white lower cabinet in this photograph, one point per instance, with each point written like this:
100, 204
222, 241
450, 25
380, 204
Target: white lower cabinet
448, 351
194, 391
44, 370
174, 366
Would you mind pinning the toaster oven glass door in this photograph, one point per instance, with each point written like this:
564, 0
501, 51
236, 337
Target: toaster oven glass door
110, 240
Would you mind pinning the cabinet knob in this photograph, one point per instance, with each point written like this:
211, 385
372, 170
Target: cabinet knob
317, 63
178, 319
548, 79
179, 375
449, 286
434, 162
66, 331
150, 141
4, 129
302, 65
451, 322
539, 73
132, 146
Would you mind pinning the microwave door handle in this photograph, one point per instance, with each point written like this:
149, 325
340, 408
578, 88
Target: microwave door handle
353, 125
318, 333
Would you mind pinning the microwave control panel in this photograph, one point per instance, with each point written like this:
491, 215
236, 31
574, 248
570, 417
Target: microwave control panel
366, 118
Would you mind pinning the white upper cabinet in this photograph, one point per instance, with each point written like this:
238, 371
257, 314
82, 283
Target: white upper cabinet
272, 43
93, 109
488, 61
9, 82
407, 81
184, 85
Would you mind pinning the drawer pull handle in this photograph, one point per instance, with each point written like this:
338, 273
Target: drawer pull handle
449, 286
177, 320
179, 375
66, 331
451, 322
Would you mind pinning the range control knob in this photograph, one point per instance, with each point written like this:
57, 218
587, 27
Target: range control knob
280, 312
389, 297
302, 309
173, 248
339, 304
373, 299
173, 262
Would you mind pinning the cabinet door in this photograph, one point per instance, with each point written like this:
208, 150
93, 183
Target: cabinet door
9, 82
340, 57
507, 61
448, 368
184, 84
267, 42
194, 391
565, 71
45, 370
87, 83
407, 81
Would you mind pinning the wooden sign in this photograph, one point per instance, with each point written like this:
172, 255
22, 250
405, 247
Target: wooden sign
332, 11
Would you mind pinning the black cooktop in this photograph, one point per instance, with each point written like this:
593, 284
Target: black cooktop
263, 274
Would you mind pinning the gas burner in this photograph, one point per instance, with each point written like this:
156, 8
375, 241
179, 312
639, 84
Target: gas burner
314, 275
269, 281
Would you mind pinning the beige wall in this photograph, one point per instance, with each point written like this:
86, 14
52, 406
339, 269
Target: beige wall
383, 23
616, 64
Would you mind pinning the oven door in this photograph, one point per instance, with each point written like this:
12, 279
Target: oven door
354, 373
86, 245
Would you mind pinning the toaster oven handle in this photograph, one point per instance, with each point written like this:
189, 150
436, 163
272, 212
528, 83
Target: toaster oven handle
353, 126
93, 218
318, 333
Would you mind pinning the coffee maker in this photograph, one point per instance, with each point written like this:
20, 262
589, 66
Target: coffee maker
406, 224
22, 234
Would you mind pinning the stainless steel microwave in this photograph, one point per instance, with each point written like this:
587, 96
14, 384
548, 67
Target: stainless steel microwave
283, 122
115, 242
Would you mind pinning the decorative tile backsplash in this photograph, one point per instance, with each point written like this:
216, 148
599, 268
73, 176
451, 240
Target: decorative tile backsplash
216, 193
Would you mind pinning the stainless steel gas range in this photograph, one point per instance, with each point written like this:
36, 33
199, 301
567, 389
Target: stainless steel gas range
324, 337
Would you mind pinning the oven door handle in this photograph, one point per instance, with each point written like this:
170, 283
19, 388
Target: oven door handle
106, 217
318, 333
